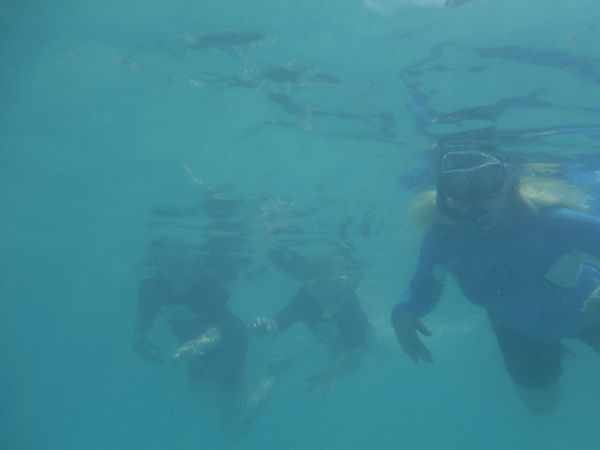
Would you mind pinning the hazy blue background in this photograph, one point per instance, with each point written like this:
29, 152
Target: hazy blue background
105, 114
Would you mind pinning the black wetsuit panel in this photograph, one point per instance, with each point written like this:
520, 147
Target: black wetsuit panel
348, 318
203, 304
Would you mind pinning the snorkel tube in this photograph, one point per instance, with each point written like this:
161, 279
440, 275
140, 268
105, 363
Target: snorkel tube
472, 214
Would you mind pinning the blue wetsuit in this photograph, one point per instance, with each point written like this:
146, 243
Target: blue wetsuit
505, 270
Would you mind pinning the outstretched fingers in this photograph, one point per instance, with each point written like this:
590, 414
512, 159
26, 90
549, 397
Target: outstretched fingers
423, 329
407, 328
417, 350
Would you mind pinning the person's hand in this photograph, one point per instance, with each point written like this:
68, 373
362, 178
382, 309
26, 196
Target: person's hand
264, 326
199, 346
406, 326
147, 350
591, 305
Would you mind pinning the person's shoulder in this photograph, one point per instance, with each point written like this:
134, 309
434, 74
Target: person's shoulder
564, 214
437, 237
155, 280
308, 289
207, 276
209, 284
564, 218
155, 287
439, 231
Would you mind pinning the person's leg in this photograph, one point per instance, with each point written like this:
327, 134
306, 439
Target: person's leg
200, 380
592, 337
237, 407
229, 362
534, 366
540, 400
231, 410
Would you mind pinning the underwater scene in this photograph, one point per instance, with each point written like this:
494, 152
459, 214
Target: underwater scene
336, 224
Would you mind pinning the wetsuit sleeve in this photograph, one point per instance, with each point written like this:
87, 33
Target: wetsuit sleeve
579, 231
152, 294
207, 295
424, 290
353, 323
295, 311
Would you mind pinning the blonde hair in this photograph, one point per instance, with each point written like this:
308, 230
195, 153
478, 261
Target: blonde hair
422, 210
538, 186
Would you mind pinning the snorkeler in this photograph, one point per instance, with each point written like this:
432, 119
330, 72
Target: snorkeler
193, 301
329, 307
519, 249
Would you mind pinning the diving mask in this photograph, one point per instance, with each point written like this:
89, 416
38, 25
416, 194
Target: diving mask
470, 176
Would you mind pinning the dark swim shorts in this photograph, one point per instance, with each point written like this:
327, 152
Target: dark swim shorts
226, 363
529, 362
534, 363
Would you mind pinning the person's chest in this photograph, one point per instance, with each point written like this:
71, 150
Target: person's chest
503, 262
192, 308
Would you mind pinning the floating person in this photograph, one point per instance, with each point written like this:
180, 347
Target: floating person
329, 306
521, 247
193, 302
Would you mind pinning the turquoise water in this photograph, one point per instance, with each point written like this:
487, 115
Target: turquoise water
107, 113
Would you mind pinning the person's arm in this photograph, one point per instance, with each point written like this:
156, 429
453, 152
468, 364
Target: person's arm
200, 345
292, 313
579, 231
152, 292
352, 342
295, 311
419, 299
426, 286
323, 382
352, 323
